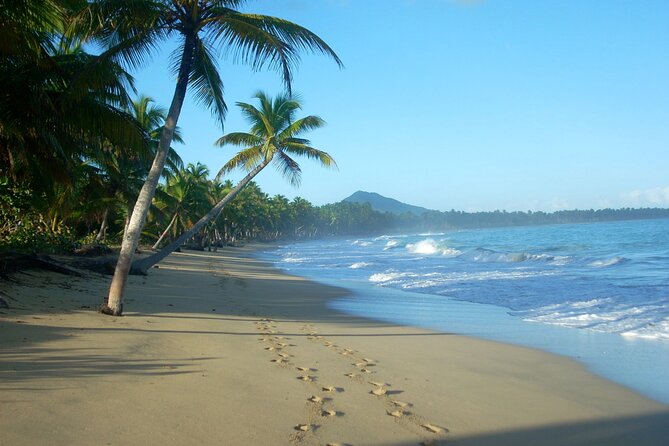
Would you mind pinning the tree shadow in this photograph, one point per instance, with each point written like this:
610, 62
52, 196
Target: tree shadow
643, 430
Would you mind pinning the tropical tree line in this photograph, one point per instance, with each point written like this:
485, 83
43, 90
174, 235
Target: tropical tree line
70, 146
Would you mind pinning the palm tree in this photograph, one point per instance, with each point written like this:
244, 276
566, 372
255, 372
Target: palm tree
185, 192
274, 138
59, 107
132, 29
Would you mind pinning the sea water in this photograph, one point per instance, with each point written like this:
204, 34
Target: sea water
598, 293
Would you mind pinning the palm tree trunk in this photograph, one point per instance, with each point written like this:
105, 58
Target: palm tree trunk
143, 265
114, 304
162, 236
102, 233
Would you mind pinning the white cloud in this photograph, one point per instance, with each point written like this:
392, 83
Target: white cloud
657, 196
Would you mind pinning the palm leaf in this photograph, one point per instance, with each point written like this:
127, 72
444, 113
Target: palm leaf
206, 81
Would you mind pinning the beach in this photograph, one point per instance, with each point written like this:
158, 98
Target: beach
222, 348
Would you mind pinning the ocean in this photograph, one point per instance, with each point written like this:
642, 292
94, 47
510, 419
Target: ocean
598, 293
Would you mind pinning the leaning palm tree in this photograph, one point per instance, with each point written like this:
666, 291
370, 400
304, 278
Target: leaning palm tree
132, 29
274, 138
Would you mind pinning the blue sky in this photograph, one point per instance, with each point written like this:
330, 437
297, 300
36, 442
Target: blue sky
467, 105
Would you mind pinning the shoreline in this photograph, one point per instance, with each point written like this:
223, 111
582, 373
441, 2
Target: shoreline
191, 363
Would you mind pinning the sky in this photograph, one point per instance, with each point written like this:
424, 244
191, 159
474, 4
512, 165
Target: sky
464, 104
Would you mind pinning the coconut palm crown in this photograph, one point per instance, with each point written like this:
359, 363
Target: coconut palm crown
274, 137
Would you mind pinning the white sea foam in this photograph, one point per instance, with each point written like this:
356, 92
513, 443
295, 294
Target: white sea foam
427, 246
608, 262
431, 247
650, 321
388, 277
391, 244
359, 265
362, 243
291, 259
482, 255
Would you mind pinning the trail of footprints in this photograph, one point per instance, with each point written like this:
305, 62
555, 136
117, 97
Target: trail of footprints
321, 403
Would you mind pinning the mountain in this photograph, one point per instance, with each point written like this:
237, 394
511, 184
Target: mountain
384, 204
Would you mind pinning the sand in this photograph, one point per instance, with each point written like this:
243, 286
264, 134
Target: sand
220, 348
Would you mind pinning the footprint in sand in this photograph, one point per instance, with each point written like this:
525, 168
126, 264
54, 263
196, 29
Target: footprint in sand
315, 399
432, 428
378, 391
303, 427
328, 413
329, 389
400, 404
395, 413
306, 378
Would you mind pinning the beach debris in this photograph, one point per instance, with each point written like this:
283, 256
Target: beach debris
432, 428
302, 427
328, 413
315, 399
328, 388
394, 413
401, 404
378, 391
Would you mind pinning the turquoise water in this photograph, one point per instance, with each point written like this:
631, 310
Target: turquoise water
598, 292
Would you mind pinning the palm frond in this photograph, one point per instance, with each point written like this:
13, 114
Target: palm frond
263, 41
297, 147
239, 139
206, 81
260, 121
302, 125
130, 30
288, 167
246, 159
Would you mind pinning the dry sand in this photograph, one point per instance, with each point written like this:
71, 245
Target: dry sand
219, 348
